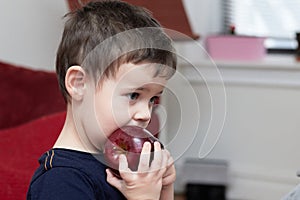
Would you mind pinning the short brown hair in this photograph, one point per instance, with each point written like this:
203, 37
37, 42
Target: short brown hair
99, 21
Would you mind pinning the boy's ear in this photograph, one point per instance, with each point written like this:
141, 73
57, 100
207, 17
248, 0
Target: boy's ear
75, 82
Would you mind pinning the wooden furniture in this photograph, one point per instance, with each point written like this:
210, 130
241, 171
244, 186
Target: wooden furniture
170, 13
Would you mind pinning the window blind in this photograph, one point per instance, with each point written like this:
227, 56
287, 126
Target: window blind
278, 20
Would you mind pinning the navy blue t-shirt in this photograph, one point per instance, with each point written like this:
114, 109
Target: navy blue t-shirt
69, 174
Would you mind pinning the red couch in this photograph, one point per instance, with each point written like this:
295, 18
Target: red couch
20, 148
32, 113
27, 94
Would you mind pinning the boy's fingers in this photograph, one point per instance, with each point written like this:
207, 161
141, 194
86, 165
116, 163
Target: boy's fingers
123, 167
158, 157
145, 158
169, 158
111, 179
123, 164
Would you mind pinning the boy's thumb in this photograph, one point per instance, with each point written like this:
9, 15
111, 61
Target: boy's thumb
111, 179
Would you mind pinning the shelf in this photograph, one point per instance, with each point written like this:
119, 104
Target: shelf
273, 71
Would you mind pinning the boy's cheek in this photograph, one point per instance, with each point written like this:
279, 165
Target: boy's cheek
121, 118
120, 110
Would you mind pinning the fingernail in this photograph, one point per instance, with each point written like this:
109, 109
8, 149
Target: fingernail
147, 144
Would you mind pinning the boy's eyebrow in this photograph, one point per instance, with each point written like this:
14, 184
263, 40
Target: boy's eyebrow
143, 89
160, 92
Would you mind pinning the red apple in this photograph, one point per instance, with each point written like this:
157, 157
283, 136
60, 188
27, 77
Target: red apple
129, 141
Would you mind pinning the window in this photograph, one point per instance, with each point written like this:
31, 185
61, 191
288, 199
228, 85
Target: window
278, 20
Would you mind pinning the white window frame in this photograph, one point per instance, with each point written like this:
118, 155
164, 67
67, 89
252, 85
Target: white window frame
277, 20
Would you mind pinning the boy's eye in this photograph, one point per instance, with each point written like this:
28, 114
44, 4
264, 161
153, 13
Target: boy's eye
154, 100
133, 96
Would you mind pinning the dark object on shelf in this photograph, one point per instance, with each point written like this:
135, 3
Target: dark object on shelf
298, 47
207, 192
205, 179
232, 30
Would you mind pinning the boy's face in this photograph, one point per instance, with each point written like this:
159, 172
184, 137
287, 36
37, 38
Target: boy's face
126, 99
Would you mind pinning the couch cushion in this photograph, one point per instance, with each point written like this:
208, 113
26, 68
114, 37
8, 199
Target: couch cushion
27, 94
20, 149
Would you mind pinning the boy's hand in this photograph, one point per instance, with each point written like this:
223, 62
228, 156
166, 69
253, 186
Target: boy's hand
167, 192
146, 183
170, 174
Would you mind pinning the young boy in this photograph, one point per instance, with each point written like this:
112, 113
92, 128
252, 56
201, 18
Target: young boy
111, 69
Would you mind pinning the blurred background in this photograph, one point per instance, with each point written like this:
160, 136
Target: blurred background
247, 102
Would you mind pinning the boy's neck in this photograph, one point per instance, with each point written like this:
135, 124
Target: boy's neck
69, 137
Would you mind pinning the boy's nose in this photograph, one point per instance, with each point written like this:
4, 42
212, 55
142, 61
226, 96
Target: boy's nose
142, 113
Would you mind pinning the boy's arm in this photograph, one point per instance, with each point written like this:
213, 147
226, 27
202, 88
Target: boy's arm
61, 183
167, 192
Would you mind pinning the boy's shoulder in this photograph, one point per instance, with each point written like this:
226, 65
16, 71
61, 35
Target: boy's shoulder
71, 174
76, 161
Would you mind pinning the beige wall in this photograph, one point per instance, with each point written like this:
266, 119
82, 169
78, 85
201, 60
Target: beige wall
31, 29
